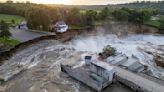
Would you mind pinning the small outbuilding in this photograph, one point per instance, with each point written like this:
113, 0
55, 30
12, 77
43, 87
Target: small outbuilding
88, 60
22, 25
104, 70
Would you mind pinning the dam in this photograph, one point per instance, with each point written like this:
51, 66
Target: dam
110, 73
40, 62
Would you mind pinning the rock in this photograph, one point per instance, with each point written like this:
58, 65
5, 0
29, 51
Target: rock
158, 54
2, 88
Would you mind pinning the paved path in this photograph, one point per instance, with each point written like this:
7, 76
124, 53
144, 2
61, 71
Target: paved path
25, 35
148, 84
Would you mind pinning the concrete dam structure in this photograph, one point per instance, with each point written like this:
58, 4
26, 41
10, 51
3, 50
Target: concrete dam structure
93, 74
39, 63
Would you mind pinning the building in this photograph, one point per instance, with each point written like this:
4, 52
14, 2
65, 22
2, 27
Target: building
22, 25
94, 73
88, 60
60, 26
104, 70
117, 60
133, 64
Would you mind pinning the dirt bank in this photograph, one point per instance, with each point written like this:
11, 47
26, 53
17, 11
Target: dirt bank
126, 27
134, 28
60, 36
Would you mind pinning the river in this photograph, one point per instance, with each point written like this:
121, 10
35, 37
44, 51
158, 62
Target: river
39, 64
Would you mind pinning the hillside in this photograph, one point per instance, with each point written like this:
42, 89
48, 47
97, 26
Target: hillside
136, 5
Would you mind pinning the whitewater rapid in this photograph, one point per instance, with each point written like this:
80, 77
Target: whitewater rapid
129, 45
41, 62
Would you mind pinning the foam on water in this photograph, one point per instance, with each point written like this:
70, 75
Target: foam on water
35, 54
129, 45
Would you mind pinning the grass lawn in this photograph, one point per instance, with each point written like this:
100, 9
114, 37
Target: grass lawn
8, 41
8, 18
154, 23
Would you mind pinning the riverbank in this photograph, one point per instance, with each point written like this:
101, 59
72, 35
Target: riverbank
42, 58
120, 29
60, 37
43, 70
7, 43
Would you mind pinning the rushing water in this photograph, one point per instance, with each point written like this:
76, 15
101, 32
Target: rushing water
129, 45
41, 62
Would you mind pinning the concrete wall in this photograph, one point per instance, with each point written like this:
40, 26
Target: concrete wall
130, 84
138, 82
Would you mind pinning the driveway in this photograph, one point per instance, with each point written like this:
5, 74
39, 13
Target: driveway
25, 35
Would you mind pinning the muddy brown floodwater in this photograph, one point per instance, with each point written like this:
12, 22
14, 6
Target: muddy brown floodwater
39, 67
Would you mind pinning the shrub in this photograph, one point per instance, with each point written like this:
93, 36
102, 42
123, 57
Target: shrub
108, 51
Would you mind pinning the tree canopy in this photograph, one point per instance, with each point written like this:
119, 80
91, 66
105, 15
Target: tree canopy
41, 16
4, 29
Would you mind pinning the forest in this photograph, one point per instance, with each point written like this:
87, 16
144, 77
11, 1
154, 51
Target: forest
41, 16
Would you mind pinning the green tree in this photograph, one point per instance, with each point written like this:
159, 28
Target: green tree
13, 21
140, 16
73, 16
90, 17
53, 14
161, 20
121, 15
4, 29
104, 13
38, 19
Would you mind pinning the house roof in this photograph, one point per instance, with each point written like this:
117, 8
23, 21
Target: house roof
23, 22
88, 57
103, 65
60, 23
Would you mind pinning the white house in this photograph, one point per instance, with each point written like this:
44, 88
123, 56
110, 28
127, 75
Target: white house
61, 26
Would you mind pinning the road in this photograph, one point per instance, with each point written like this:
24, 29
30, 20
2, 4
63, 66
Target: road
25, 35
148, 84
